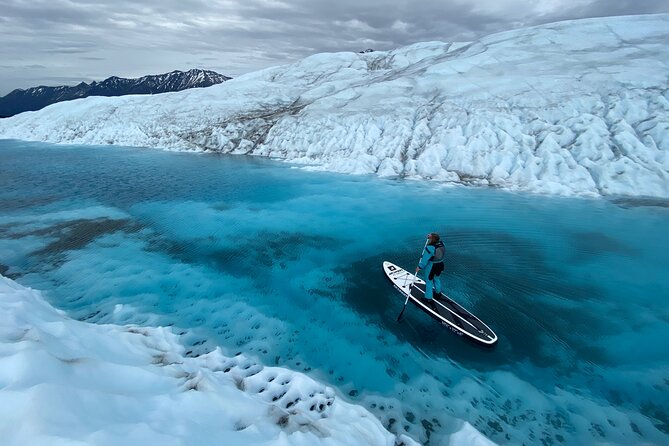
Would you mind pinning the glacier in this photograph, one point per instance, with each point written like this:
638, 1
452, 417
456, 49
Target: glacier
70, 382
572, 108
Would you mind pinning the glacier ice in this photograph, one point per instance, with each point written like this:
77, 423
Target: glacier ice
574, 108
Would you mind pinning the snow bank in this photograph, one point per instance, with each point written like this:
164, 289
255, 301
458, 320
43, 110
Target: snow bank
69, 382
578, 107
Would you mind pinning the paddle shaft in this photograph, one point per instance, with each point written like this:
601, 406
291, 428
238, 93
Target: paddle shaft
412, 282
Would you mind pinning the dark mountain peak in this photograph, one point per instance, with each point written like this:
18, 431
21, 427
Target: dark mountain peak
36, 98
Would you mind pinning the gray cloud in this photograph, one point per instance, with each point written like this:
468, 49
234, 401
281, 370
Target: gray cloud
87, 39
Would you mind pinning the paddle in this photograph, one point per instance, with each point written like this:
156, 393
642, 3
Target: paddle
412, 282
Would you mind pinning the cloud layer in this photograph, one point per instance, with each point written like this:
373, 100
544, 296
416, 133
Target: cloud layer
66, 41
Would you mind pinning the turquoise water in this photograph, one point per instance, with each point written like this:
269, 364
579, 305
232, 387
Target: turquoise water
284, 264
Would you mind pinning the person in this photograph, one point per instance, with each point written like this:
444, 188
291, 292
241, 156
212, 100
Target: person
432, 264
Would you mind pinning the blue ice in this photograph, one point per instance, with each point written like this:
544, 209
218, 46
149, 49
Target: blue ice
258, 257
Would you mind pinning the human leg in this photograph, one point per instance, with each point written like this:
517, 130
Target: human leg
437, 284
437, 269
429, 284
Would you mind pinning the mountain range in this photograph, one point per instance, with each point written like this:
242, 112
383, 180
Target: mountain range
36, 98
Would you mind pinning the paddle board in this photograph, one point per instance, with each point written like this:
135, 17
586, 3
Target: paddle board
442, 308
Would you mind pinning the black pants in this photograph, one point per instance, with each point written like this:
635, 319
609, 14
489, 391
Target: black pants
437, 269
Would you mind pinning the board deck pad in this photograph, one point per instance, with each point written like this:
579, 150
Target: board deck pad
442, 308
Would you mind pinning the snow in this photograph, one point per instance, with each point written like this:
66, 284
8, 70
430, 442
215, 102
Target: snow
573, 108
68, 382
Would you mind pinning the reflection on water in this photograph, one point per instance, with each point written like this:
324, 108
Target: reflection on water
256, 256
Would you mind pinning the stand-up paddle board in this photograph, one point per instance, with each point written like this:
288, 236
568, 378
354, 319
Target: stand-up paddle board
442, 308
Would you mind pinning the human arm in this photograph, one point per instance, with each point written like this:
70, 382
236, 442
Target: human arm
425, 259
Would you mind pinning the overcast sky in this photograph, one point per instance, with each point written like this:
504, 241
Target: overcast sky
62, 42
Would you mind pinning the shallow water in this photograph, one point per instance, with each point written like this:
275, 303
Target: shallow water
256, 256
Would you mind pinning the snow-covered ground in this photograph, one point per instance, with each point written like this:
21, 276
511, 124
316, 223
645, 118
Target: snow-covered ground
577, 107
69, 382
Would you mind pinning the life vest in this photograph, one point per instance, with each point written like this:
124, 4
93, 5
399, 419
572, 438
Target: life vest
439, 252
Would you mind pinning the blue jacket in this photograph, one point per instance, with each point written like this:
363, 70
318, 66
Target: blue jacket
426, 260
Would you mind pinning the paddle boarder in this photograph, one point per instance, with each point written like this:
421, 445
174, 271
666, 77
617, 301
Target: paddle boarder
432, 264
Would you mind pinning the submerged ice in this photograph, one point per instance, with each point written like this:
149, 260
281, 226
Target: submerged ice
578, 107
66, 382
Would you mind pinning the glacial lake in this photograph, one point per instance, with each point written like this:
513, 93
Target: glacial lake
284, 264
